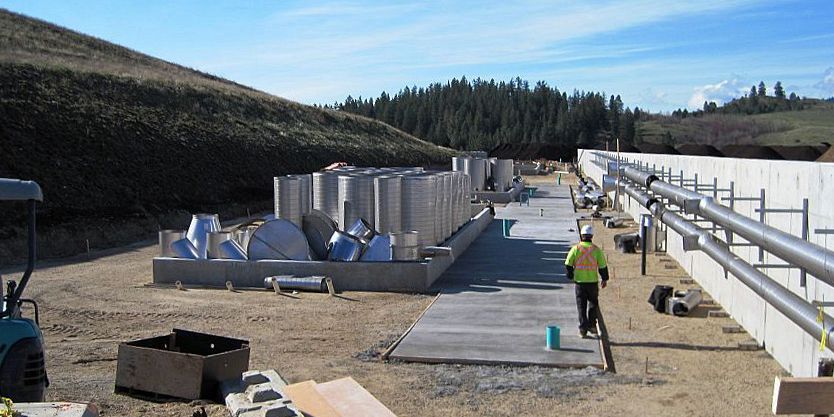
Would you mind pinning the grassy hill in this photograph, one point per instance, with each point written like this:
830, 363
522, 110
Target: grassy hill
805, 127
122, 142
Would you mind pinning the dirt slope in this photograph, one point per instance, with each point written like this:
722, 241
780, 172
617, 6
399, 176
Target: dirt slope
112, 133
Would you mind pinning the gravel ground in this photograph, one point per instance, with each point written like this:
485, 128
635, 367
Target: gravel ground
665, 363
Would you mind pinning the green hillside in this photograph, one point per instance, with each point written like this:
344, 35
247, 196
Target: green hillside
116, 137
810, 126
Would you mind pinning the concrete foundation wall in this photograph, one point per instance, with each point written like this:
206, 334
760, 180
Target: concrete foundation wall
347, 276
785, 183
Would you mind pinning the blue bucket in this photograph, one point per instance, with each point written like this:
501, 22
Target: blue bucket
553, 338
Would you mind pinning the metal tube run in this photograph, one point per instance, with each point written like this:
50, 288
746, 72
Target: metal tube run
794, 307
816, 260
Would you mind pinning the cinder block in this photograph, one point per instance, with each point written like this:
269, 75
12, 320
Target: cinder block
732, 329
254, 377
687, 281
717, 313
749, 345
262, 392
281, 410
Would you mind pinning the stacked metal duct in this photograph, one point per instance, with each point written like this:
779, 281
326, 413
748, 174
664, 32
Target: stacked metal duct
447, 205
476, 169
388, 195
306, 186
326, 193
419, 206
288, 199
356, 199
502, 172
458, 163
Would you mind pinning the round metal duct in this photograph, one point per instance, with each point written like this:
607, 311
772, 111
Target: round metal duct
378, 250
326, 193
166, 238
419, 205
388, 195
288, 200
458, 163
503, 174
476, 169
344, 247
356, 199
318, 228
201, 225
405, 246
279, 239
306, 192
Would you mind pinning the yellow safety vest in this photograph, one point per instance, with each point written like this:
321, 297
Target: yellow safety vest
586, 259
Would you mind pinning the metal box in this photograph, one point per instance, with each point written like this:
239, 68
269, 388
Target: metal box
182, 364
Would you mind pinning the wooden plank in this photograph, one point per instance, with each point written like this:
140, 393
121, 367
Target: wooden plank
348, 398
803, 395
309, 401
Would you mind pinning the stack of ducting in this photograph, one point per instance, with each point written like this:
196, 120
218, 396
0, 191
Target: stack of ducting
388, 203
502, 173
326, 193
356, 199
419, 206
476, 169
306, 187
288, 199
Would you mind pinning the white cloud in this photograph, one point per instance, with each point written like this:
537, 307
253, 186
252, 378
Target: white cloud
720, 93
827, 83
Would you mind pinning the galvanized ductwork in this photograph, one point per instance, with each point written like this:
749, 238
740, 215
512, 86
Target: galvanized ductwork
288, 200
326, 193
816, 260
388, 195
795, 308
356, 199
419, 206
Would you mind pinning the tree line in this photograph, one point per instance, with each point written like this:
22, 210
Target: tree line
480, 114
757, 101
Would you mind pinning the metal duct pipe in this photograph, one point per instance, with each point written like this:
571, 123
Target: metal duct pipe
816, 260
796, 309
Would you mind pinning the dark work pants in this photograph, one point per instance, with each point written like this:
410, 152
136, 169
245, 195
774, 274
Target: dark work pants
587, 303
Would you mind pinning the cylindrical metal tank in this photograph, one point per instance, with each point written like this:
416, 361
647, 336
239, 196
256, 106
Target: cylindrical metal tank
356, 199
419, 206
388, 203
447, 205
288, 201
405, 246
459, 163
326, 193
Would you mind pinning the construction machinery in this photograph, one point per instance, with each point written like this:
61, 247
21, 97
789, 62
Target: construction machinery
22, 368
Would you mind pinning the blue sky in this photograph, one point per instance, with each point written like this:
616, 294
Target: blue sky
659, 55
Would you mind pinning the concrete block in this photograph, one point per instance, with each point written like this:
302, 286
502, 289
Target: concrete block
687, 281
238, 404
254, 377
749, 345
281, 410
732, 329
717, 313
58, 409
262, 392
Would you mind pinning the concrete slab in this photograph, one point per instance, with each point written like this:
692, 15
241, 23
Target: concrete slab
498, 298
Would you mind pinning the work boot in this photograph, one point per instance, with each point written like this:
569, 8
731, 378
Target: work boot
583, 334
593, 331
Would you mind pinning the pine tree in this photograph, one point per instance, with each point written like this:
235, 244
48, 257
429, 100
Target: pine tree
762, 92
778, 90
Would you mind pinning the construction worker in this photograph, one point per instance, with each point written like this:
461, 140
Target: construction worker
585, 266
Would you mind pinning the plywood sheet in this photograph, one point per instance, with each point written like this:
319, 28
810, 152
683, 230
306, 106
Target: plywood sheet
349, 398
309, 401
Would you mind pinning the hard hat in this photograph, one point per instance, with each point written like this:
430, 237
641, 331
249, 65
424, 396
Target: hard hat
587, 230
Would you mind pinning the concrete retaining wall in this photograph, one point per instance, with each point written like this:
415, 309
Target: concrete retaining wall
347, 276
785, 183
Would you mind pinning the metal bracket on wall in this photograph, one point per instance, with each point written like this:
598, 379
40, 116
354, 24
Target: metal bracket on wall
803, 278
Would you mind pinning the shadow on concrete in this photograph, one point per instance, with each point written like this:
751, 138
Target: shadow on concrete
493, 263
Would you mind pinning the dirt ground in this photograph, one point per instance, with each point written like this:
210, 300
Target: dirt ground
666, 365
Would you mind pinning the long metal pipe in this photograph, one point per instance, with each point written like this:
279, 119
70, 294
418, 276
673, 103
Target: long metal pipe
816, 260
794, 307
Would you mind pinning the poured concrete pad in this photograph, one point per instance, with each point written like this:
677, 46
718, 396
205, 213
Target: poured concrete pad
497, 299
